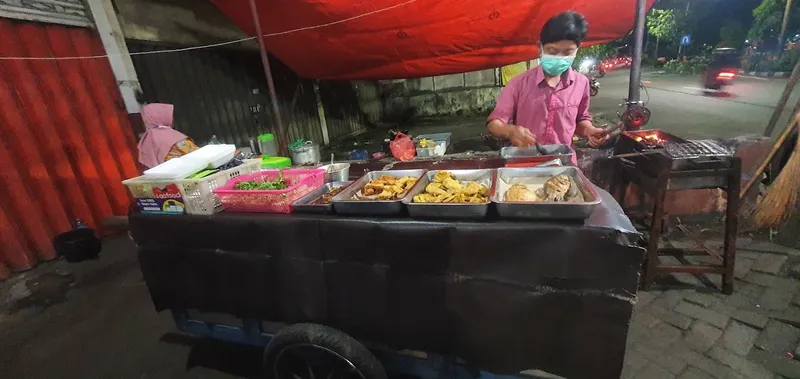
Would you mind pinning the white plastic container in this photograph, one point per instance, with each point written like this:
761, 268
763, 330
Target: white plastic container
442, 141
195, 196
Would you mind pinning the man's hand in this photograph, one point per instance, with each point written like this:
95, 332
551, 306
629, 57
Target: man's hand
521, 136
596, 136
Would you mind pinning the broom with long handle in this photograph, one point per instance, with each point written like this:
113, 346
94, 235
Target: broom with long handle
775, 148
776, 114
778, 204
787, 93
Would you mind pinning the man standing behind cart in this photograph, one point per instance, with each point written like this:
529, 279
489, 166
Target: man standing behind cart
550, 103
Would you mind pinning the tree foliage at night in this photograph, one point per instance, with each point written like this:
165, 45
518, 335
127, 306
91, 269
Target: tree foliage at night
664, 24
598, 52
732, 34
768, 17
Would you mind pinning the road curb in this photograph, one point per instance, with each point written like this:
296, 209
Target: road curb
765, 74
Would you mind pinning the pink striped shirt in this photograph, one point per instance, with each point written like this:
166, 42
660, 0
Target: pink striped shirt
551, 114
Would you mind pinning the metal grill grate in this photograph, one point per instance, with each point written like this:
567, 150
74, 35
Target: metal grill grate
695, 149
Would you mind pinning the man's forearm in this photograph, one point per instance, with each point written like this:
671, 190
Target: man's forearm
583, 128
499, 129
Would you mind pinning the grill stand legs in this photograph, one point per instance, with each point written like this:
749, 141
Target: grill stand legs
656, 224
657, 187
731, 225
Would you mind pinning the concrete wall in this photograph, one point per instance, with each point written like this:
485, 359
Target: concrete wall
465, 94
64, 12
177, 22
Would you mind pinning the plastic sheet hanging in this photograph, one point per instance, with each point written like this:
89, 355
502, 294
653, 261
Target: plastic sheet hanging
394, 39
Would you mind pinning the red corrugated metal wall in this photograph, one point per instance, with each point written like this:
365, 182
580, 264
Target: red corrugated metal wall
65, 141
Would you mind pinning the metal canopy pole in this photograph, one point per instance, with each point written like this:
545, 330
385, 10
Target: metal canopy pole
282, 143
636, 65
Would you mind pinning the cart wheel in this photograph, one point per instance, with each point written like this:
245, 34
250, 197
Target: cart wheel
311, 351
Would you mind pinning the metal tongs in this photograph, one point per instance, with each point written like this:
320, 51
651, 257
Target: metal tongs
540, 148
614, 128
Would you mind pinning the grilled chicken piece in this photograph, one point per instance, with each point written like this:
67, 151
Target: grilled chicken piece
519, 192
557, 187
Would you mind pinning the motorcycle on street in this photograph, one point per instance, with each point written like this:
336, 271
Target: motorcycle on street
594, 86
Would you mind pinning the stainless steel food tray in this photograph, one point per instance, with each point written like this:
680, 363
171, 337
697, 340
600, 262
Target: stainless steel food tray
304, 205
343, 203
452, 210
518, 154
546, 210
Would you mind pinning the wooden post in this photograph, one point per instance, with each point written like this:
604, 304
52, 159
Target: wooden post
321, 113
283, 144
110, 32
785, 23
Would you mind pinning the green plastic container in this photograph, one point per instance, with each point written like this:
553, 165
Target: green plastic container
275, 162
268, 145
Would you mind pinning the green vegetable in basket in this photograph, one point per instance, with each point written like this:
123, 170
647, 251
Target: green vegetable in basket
294, 146
269, 185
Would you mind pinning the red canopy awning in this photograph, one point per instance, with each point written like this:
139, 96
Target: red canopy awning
393, 39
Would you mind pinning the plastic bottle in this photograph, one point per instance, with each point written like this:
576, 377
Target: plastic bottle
214, 140
79, 224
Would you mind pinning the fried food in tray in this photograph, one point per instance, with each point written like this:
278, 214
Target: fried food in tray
559, 189
328, 196
445, 188
385, 187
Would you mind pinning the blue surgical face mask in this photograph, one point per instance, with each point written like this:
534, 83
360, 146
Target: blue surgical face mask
555, 65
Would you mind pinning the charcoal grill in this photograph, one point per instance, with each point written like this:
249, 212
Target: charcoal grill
655, 148
659, 162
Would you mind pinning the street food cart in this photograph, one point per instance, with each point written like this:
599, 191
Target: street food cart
334, 295
423, 297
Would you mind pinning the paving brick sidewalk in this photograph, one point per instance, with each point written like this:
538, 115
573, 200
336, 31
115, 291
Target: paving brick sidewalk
684, 329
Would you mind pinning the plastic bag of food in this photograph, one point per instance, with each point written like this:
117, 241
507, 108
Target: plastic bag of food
403, 148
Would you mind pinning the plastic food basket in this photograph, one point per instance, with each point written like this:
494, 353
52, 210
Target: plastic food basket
194, 196
198, 194
300, 183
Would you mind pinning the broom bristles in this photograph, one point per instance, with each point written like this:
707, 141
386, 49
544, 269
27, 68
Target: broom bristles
778, 204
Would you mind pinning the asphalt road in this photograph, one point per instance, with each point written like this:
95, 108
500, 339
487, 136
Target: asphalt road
680, 106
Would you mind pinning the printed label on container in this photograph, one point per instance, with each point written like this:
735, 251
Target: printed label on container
161, 206
171, 191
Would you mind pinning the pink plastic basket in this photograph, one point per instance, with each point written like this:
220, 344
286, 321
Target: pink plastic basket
300, 183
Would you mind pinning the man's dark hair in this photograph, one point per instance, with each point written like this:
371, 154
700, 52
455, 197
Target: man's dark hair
569, 25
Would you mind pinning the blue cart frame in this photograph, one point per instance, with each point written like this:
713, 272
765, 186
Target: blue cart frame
435, 366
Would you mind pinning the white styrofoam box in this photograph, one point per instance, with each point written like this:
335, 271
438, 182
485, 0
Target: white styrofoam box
213, 155
176, 168
210, 156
